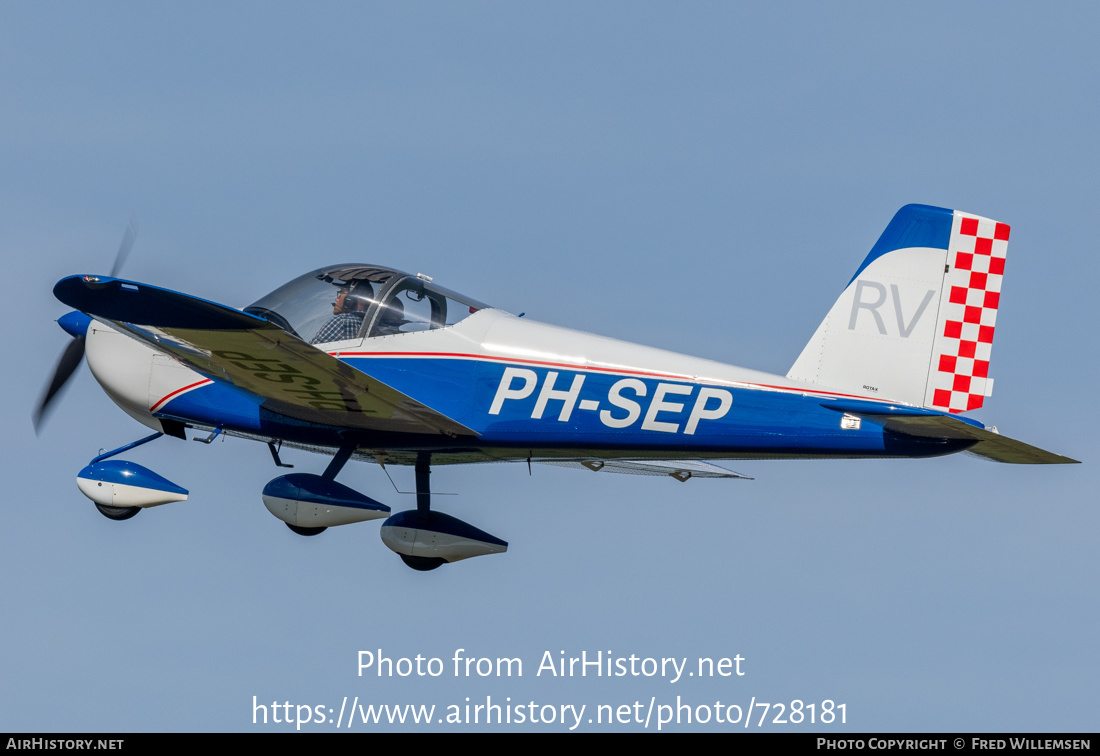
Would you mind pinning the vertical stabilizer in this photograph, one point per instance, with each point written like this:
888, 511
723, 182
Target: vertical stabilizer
915, 323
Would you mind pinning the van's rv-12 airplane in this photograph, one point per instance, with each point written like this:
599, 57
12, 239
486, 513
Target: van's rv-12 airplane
401, 371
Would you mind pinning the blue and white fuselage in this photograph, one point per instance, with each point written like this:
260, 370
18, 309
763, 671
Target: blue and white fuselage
530, 389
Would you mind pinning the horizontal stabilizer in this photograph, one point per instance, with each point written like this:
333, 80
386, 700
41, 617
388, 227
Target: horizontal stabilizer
681, 469
925, 424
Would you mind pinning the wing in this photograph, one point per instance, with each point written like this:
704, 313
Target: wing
930, 424
293, 378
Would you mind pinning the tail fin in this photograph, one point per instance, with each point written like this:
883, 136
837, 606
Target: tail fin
915, 323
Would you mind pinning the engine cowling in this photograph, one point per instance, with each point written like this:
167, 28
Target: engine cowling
308, 501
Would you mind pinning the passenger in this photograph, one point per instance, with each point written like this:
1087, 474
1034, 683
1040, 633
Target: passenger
348, 311
391, 319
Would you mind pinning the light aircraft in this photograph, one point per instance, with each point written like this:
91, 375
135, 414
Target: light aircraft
365, 362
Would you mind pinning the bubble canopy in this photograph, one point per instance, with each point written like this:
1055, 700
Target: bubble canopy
357, 301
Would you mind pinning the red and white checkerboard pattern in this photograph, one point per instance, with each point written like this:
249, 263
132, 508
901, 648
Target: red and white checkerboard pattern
959, 372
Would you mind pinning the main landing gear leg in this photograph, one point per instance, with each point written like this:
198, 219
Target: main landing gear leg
423, 483
338, 462
423, 510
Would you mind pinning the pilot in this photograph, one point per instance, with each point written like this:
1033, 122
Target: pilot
348, 311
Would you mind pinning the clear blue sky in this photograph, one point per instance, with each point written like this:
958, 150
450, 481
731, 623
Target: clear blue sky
702, 177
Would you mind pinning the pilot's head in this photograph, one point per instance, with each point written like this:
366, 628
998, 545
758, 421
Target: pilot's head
352, 297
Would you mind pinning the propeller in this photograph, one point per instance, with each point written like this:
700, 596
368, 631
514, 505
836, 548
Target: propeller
66, 366
77, 325
124, 248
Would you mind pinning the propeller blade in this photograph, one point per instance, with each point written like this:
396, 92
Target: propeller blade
69, 362
74, 352
124, 248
